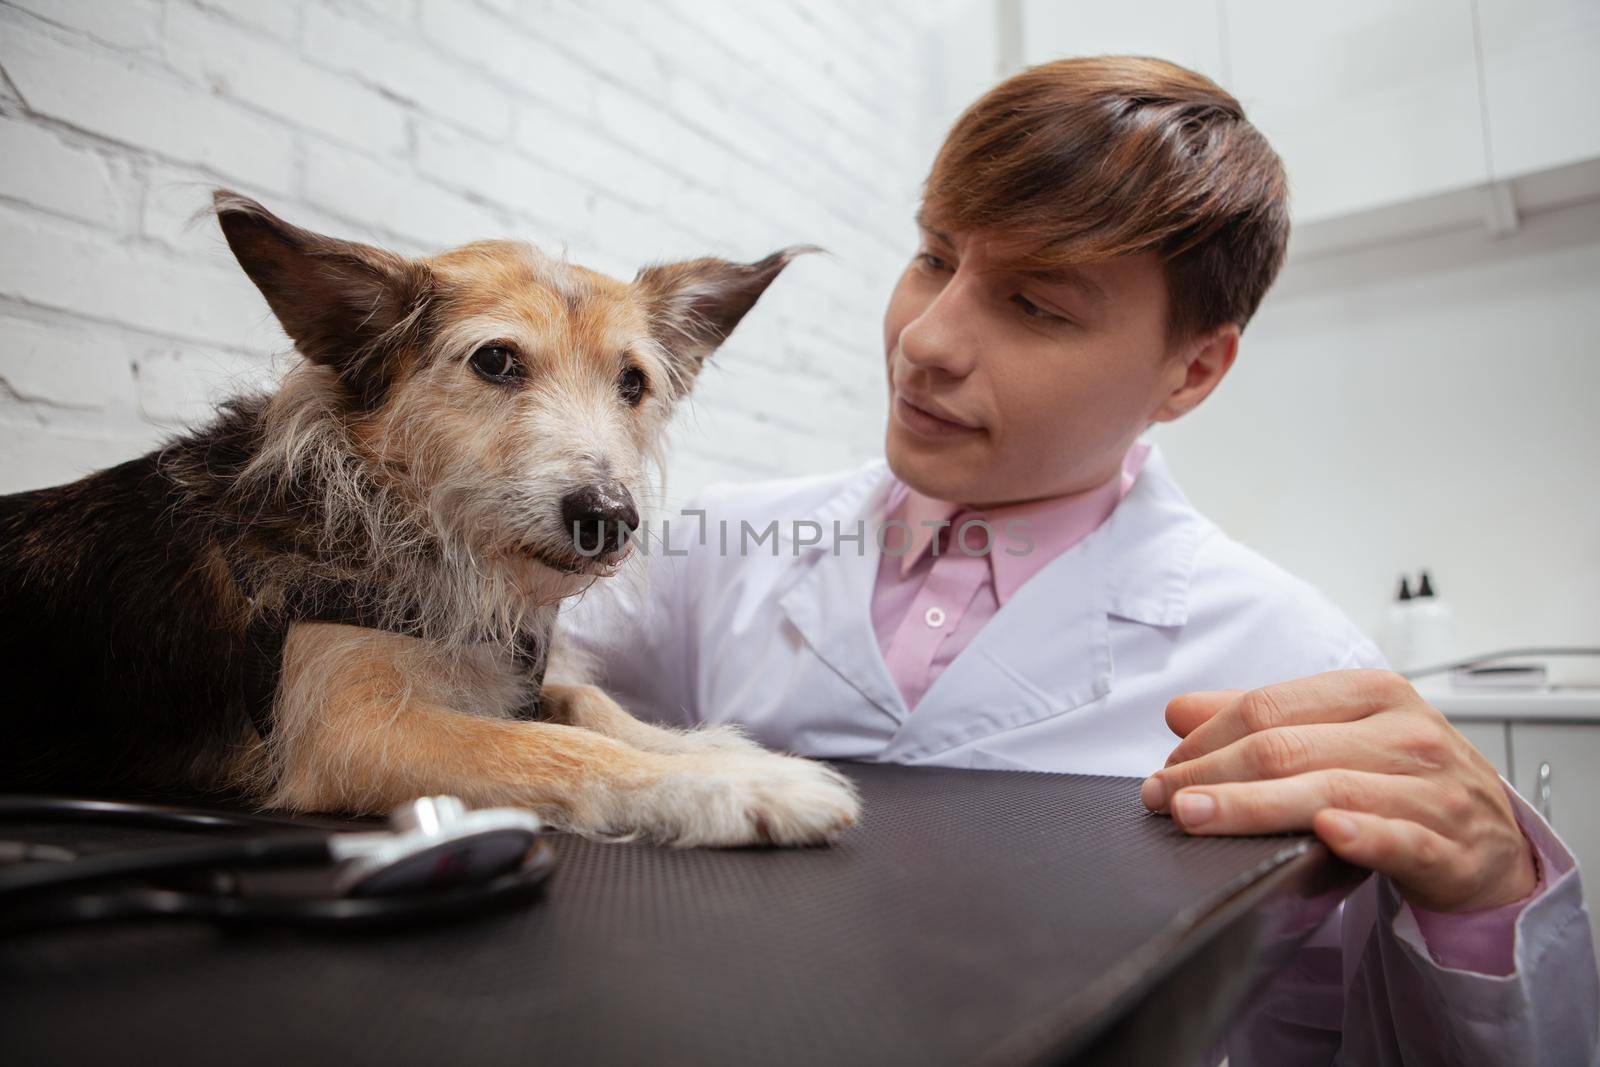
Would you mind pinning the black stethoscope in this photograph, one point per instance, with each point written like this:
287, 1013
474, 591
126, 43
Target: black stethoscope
435, 860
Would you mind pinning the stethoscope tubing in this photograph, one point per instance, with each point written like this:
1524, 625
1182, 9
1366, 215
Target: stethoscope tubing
17, 807
323, 912
172, 859
39, 895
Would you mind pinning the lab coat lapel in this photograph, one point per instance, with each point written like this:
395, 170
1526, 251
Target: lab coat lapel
1048, 649
831, 605
1045, 651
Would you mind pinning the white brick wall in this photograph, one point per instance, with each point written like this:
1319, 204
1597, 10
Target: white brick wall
624, 130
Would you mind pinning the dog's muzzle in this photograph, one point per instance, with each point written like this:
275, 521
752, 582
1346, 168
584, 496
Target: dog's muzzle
599, 519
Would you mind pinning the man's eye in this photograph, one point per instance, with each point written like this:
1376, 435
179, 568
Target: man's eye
932, 262
497, 363
631, 385
1032, 310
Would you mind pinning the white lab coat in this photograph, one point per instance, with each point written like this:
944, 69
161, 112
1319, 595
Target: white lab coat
1073, 674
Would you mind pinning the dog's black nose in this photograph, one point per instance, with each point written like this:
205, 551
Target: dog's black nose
599, 518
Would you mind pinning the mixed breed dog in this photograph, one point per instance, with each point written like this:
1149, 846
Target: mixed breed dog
342, 595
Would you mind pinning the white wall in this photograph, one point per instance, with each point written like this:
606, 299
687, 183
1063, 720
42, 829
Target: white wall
965, 59
627, 132
1422, 403
1429, 403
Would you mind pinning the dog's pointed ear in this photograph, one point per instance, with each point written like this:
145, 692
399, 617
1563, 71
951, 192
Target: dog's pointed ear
695, 305
344, 304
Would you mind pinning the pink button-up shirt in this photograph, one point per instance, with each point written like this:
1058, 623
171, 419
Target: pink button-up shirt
935, 591
945, 572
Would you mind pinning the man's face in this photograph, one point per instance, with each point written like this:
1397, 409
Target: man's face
1006, 385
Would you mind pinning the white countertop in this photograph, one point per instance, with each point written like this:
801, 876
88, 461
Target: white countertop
1548, 704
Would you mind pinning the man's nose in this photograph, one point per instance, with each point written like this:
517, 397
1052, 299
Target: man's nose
940, 337
599, 518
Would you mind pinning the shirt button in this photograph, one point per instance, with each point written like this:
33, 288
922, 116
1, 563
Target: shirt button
934, 617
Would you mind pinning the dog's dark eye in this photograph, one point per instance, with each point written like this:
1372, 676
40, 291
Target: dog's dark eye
496, 363
631, 383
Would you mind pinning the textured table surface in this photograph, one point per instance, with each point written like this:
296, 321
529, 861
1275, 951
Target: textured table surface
972, 917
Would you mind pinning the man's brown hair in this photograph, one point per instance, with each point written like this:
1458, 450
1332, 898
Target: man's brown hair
1110, 156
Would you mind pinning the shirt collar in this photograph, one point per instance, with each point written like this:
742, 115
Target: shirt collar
1027, 536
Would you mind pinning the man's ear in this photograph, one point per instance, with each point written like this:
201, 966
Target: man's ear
346, 305
1199, 366
695, 305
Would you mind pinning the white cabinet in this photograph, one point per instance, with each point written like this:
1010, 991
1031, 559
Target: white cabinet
1392, 116
1541, 82
1369, 102
1557, 770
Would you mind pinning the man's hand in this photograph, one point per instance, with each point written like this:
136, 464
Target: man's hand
1361, 760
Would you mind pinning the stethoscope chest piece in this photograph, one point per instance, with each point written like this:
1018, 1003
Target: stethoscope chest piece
434, 843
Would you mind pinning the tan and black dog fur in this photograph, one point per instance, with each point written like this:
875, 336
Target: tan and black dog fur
402, 518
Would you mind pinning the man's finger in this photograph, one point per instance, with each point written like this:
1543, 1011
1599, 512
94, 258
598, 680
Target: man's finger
1282, 753
1190, 710
1285, 804
1338, 696
1409, 853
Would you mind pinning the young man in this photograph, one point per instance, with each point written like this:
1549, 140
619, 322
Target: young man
1025, 587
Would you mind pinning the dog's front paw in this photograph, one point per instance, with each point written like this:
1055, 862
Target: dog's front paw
750, 798
716, 740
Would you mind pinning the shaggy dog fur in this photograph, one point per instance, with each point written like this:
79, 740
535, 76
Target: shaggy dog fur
386, 540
